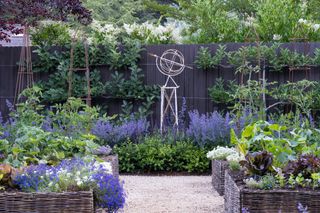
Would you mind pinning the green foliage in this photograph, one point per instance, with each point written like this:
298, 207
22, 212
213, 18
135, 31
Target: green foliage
221, 91
118, 11
32, 145
268, 182
302, 94
51, 34
66, 134
74, 116
275, 139
234, 166
155, 156
204, 59
132, 89
241, 20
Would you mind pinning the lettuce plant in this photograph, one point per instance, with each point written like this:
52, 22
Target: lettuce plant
305, 165
258, 163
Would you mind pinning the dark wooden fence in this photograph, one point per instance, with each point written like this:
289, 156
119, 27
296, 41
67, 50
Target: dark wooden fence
193, 83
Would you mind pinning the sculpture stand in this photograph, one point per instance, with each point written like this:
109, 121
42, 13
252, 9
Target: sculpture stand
171, 63
169, 103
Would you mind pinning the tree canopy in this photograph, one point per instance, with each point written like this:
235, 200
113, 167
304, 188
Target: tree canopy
17, 13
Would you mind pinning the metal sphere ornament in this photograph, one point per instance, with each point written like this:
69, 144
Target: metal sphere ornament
171, 63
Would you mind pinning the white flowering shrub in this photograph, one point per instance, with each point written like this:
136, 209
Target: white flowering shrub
221, 153
235, 157
104, 33
149, 33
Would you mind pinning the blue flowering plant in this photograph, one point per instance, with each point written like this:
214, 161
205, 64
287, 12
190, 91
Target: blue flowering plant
112, 133
75, 175
210, 129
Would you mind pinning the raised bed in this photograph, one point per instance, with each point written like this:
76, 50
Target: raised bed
113, 159
218, 170
67, 202
267, 201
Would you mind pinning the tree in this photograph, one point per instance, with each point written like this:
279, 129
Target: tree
119, 11
17, 13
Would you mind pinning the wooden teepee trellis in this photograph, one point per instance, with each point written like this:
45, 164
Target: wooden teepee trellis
25, 74
72, 69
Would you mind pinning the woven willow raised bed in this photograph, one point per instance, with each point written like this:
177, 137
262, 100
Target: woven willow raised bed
267, 201
218, 170
68, 202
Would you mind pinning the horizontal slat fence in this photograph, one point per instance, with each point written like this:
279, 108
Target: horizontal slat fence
193, 83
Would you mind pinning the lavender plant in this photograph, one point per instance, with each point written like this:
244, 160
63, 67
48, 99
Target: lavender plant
210, 129
113, 134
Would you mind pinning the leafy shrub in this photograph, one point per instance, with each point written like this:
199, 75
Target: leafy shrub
74, 175
149, 33
220, 93
204, 59
153, 155
51, 34
113, 134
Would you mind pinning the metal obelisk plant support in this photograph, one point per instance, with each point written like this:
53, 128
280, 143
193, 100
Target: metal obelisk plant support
170, 63
25, 74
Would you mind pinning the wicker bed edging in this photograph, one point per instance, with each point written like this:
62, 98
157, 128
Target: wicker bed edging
267, 201
218, 170
66, 202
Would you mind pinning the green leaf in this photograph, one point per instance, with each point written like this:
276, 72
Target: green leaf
16, 150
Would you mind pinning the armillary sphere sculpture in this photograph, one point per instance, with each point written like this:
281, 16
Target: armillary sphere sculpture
170, 63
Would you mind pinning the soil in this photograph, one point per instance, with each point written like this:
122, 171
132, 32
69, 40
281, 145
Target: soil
185, 194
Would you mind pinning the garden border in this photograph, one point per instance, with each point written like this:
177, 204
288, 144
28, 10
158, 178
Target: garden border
262, 201
218, 172
47, 202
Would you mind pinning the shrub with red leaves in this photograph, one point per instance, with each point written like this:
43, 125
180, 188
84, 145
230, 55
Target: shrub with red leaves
17, 13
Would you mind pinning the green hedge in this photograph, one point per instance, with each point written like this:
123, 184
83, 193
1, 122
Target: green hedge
154, 155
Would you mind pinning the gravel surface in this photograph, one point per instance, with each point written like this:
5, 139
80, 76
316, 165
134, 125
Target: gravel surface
185, 194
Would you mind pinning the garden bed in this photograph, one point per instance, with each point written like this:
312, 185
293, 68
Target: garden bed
218, 170
238, 198
67, 202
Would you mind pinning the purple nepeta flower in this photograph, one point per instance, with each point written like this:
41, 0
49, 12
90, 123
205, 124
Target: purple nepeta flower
113, 134
10, 106
213, 128
182, 114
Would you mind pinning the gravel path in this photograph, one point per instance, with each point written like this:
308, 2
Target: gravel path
185, 194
